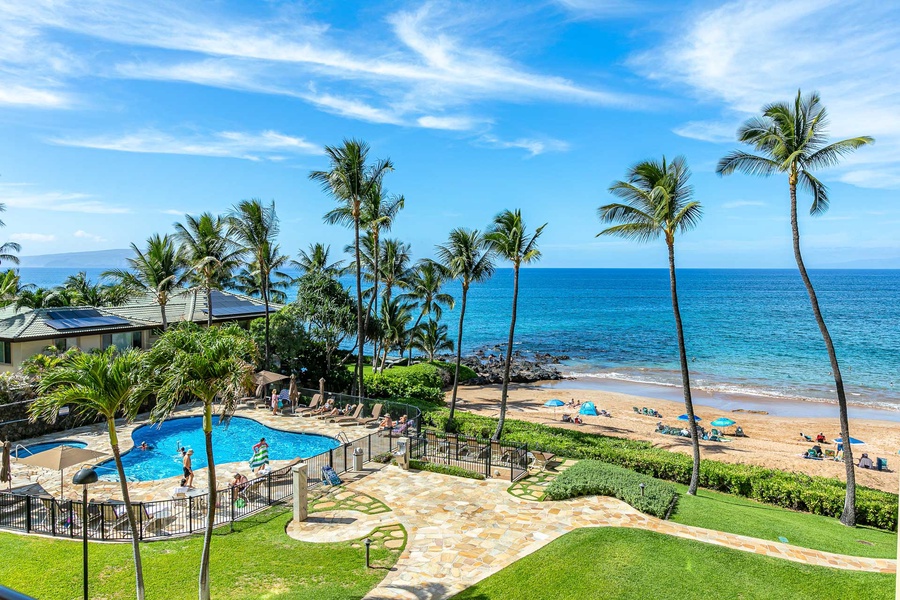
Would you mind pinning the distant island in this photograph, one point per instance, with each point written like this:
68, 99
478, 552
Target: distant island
97, 259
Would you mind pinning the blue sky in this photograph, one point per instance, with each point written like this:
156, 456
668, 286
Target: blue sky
117, 118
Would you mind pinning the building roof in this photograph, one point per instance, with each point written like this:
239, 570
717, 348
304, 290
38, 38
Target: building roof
141, 312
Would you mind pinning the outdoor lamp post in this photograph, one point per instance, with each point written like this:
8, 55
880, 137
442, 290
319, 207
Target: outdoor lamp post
368, 543
84, 477
642, 490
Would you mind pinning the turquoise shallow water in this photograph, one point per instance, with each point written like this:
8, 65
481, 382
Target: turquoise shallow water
748, 331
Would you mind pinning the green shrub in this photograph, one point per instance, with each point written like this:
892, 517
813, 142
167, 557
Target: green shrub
423, 382
465, 373
817, 495
595, 478
445, 469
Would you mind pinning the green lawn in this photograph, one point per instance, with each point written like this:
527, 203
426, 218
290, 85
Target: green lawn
724, 512
593, 564
257, 561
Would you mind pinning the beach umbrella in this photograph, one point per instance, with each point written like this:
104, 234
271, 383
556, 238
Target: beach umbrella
588, 409
292, 391
722, 422
5, 470
685, 418
554, 404
267, 377
62, 457
853, 441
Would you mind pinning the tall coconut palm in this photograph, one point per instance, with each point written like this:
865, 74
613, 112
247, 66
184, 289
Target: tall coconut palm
792, 138
211, 255
425, 283
160, 270
431, 337
83, 291
315, 260
108, 385
255, 228
509, 240
7, 248
395, 319
464, 256
349, 180
657, 201
247, 282
11, 287
190, 362
38, 297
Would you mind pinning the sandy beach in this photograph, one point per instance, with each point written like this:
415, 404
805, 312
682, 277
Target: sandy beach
773, 441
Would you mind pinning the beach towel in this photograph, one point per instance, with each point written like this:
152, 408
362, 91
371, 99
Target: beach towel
329, 476
260, 456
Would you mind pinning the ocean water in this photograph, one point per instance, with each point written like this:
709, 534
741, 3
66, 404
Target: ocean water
747, 331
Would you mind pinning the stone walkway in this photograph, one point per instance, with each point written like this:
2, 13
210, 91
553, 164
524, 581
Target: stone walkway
460, 531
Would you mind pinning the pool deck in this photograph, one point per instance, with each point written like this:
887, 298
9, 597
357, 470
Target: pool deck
35, 480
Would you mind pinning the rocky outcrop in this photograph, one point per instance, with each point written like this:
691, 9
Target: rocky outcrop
489, 364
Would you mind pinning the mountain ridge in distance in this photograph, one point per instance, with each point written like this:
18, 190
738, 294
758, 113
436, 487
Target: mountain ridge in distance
96, 259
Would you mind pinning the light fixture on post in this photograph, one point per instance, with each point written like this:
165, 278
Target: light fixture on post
368, 543
642, 490
84, 477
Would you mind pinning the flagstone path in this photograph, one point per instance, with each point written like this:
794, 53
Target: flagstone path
462, 530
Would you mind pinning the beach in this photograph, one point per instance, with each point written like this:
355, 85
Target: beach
773, 439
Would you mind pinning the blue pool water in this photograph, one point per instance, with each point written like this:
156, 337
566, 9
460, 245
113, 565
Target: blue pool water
37, 448
231, 443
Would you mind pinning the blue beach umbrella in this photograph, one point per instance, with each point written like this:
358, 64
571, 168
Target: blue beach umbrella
685, 418
722, 422
554, 403
853, 441
588, 409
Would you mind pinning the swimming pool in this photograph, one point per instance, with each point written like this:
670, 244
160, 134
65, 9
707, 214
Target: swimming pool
29, 449
231, 443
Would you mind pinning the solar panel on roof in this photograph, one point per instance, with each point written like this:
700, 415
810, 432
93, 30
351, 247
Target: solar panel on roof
224, 305
65, 320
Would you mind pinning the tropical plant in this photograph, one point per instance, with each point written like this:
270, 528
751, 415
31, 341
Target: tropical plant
395, 319
211, 255
509, 240
247, 282
424, 289
255, 228
190, 362
431, 337
792, 138
328, 308
108, 385
11, 287
158, 270
7, 248
464, 256
42, 298
349, 180
315, 260
657, 201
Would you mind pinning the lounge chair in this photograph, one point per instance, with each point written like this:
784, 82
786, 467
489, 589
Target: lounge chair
805, 437
543, 460
636, 409
440, 446
739, 432
470, 450
316, 398
352, 419
376, 415
156, 522
312, 408
881, 464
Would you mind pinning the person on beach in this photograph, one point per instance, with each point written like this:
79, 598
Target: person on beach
238, 484
865, 462
260, 456
386, 422
274, 402
820, 439
186, 467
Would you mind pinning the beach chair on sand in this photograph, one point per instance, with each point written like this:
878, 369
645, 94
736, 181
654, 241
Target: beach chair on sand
636, 409
805, 437
739, 432
881, 464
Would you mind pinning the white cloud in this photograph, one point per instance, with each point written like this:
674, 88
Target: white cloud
742, 203
88, 236
174, 211
749, 53
707, 131
601, 8
226, 144
533, 146
23, 195
32, 237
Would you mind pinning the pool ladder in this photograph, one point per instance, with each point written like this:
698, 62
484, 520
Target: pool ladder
342, 437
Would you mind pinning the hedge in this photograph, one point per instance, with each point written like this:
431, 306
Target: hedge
422, 381
445, 469
595, 478
797, 491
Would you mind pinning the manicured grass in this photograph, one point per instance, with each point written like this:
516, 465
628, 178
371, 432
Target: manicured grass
724, 512
630, 563
259, 560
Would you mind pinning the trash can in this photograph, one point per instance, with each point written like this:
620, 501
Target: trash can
358, 459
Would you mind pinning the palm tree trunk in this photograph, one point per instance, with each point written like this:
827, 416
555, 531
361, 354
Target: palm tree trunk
360, 334
162, 311
848, 517
209, 306
462, 315
265, 295
509, 346
411, 331
126, 498
211, 509
685, 375
375, 278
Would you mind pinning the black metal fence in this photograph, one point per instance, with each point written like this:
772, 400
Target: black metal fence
491, 459
396, 410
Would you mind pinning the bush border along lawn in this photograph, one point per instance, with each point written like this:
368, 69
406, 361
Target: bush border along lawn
444, 469
595, 478
626, 564
797, 491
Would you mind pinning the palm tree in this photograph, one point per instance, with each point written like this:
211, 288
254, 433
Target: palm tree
41, 298
255, 228
191, 362
83, 291
316, 261
508, 239
431, 338
425, 283
247, 282
792, 138
349, 180
11, 287
657, 202
465, 257
108, 385
158, 270
211, 255
395, 319
7, 248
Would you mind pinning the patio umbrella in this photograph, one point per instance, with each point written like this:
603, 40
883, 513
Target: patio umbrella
722, 422
292, 391
554, 404
853, 441
61, 457
267, 377
685, 418
5, 470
